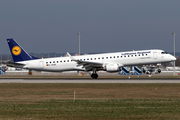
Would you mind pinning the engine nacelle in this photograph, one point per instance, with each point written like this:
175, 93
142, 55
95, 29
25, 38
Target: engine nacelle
111, 67
158, 71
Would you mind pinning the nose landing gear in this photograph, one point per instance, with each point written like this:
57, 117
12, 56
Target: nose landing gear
94, 75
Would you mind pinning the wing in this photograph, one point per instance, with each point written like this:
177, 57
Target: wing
13, 64
86, 64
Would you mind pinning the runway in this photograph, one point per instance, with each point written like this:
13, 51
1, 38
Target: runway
89, 81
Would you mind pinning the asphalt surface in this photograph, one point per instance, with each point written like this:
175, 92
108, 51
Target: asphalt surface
89, 81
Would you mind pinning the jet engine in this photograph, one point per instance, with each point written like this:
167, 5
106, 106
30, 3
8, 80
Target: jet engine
158, 71
111, 67
150, 70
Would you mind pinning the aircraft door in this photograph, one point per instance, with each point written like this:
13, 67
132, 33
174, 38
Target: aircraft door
41, 63
155, 55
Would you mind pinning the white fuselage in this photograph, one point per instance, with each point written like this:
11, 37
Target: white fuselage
128, 58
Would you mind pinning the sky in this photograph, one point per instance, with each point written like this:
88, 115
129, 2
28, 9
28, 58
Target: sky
46, 26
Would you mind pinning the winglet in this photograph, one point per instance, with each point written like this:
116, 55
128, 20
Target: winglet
71, 57
68, 54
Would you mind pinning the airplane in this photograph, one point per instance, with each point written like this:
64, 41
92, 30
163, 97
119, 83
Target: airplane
151, 68
172, 68
109, 62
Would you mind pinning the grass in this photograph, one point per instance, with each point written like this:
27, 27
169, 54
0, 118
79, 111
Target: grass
93, 101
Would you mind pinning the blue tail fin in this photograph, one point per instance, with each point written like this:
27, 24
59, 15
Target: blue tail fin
17, 52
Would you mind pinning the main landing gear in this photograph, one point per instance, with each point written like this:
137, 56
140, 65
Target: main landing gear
94, 75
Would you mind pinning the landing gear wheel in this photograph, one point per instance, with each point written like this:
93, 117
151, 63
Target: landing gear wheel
94, 75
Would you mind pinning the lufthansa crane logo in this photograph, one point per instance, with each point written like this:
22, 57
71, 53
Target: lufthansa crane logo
16, 50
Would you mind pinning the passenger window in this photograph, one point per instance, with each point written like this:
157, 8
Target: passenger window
102, 57
106, 57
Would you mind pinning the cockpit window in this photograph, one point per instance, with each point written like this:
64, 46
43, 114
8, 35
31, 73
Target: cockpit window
164, 52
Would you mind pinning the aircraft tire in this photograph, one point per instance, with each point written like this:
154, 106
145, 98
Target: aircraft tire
94, 76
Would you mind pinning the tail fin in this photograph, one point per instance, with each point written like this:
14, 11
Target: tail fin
17, 52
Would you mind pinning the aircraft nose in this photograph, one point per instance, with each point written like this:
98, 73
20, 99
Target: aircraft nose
173, 58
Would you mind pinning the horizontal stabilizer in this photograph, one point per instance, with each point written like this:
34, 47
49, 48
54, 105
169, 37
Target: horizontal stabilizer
13, 64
